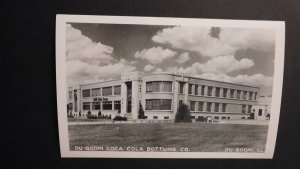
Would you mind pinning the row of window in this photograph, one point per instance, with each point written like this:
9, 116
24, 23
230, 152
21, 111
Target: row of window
219, 92
209, 106
106, 105
106, 91
215, 107
159, 86
158, 104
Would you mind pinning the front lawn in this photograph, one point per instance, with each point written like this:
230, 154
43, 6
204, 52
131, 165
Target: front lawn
198, 137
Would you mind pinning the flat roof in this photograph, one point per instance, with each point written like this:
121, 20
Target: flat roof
184, 75
172, 74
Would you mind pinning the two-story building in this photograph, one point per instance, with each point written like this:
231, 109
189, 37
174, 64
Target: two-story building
160, 95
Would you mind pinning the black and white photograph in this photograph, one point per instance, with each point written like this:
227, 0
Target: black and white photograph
151, 87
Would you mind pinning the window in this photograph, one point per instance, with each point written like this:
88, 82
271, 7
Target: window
209, 105
224, 107
86, 105
86, 93
217, 107
106, 91
244, 94
70, 106
200, 106
155, 117
192, 105
224, 92
117, 105
244, 109
166, 117
167, 86
164, 86
117, 90
158, 104
202, 90
238, 94
70, 94
107, 105
255, 96
260, 112
216, 117
155, 87
218, 92
223, 117
210, 89
231, 93
180, 102
96, 106
181, 87
249, 108
250, 95
190, 88
196, 90
96, 92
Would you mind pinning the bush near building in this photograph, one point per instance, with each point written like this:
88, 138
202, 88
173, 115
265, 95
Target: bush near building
120, 118
183, 114
141, 113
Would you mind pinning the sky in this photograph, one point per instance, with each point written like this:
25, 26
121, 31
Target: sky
98, 52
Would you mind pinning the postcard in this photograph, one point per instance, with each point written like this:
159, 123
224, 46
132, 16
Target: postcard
154, 87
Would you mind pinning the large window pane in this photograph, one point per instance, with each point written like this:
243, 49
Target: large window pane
86, 93
86, 105
107, 91
167, 86
117, 90
96, 92
96, 106
107, 105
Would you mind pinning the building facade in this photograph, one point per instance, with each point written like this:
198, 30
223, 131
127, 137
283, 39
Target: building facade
160, 94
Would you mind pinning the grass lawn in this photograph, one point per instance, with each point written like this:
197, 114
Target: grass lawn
198, 137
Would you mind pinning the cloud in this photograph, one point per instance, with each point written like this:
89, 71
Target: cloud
182, 58
148, 67
255, 79
229, 40
220, 64
80, 47
79, 72
155, 55
158, 70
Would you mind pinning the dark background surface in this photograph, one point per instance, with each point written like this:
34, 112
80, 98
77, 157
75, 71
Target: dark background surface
29, 116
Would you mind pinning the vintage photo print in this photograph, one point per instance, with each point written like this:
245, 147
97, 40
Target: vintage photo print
150, 87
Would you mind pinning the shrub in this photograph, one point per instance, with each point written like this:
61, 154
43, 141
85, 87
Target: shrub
251, 116
99, 114
201, 119
141, 113
70, 115
90, 116
183, 114
119, 118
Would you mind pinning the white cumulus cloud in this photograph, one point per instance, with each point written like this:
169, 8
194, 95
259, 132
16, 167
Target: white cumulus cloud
148, 67
80, 47
198, 39
155, 55
220, 64
183, 57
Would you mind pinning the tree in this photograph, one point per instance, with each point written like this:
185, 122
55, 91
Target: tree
141, 113
183, 114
